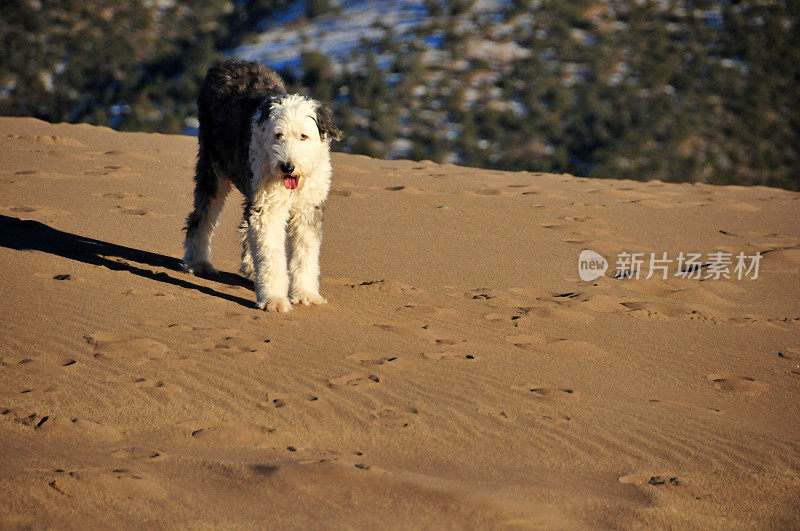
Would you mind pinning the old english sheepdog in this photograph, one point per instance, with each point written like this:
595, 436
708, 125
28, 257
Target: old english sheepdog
275, 148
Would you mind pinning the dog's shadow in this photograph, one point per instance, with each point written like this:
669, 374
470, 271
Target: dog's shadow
30, 235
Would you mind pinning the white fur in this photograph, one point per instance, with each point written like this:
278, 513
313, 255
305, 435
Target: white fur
274, 207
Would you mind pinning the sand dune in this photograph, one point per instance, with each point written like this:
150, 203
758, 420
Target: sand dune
462, 375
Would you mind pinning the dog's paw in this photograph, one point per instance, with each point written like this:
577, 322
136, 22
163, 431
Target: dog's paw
281, 305
199, 268
307, 299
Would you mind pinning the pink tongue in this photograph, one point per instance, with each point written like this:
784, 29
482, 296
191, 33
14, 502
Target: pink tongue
290, 182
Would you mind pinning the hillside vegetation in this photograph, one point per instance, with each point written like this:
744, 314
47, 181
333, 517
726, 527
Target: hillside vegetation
680, 91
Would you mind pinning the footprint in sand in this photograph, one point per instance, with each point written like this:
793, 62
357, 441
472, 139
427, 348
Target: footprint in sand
668, 482
354, 379
395, 417
228, 314
449, 341
232, 342
278, 400
596, 303
564, 306
389, 286
666, 310
575, 225
421, 332
242, 344
543, 392
566, 348
42, 213
482, 294
492, 412
531, 316
405, 189
448, 355
36, 392
494, 298
48, 140
45, 368
404, 329
112, 170
118, 345
489, 191
424, 309
529, 192
234, 434
554, 417
120, 195
150, 294
137, 155
501, 317
154, 386
135, 453
133, 211
533, 293
62, 426
31, 420
119, 483
368, 358
741, 385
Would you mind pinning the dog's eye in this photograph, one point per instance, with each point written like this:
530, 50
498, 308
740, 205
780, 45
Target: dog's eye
278, 136
303, 137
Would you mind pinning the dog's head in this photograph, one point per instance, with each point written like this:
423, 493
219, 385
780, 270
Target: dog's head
295, 133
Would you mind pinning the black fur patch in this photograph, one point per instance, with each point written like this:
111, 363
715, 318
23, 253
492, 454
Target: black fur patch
232, 92
266, 107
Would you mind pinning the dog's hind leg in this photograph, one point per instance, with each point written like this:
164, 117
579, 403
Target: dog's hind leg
211, 189
305, 237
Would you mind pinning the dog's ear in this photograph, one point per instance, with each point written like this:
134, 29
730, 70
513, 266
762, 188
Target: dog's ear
265, 107
324, 119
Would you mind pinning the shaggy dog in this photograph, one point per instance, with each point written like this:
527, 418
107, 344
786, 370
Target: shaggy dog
275, 148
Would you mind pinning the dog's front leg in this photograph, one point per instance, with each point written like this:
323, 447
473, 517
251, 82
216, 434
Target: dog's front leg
266, 234
305, 237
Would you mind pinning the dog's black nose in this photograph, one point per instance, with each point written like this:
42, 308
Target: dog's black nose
287, 167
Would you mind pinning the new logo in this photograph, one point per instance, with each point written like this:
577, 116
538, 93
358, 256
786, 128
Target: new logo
591, 265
